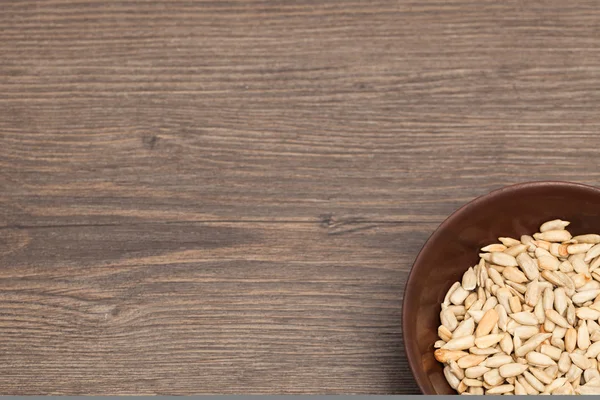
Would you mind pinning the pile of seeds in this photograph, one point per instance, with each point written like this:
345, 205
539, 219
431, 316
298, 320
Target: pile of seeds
525, 319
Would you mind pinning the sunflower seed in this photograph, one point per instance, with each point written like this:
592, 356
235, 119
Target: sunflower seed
516, 250
487, 322
579, 248
528, 388
453, 381
450, 292
564, 362
551, 351
512, 369
579, 266
531, 344
525, 318
503, 259
456, 370
582, 297
558, 319
473, 382
469, 280
555, 385
506, 344
519, 389
470, 361
593, 350
462, 343
459, 296
508, 242
549, 262
444, 356
590, 238
553, 235
591, 374
539, 359
580, 361
555, 224
448, 319
526, 332
490, 248
587, 390
502, 389
483, 342
583, 336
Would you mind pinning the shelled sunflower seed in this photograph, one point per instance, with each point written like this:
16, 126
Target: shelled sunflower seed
526, 318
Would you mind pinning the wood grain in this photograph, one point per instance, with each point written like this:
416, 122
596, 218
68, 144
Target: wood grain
226, 197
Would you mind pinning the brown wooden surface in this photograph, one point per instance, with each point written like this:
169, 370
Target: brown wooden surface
226, 197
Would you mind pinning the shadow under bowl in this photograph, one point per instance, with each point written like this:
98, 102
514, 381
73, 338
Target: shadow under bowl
454, 247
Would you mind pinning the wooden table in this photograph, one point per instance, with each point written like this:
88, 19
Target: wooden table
227, 197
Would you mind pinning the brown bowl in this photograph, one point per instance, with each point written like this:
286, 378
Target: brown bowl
454, 247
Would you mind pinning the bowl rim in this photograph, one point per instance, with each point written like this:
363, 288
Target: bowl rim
408, 288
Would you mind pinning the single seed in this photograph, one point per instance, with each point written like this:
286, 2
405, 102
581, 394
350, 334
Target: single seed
583, 336
593, 350
559, 235
558, 319
501, 389
459, 296
476, 372
513, 369
472, 382
564, 362
484, 342
456, 370
580, 361
487, 322
531, 344
502, 317
528, 265
578, 264
506, 344
444, 356
450, 292
582, 297
526, 317
469, 280
528, 388
558, 343
555, 224
508, 242
539, 359
516, 250
526, 332
496, 277
470, 361
570, 340
555, 385
490, 248
591, 238
551, 351
533, 381
549, 263
448, 319
462, 343
579, 248
493, 377
484, 352
515, 306
503, 259
541, 375
453, 381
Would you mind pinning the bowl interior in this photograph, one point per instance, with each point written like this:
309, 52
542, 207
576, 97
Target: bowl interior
454, 247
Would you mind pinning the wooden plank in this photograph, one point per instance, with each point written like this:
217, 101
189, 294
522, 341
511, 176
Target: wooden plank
205, 308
